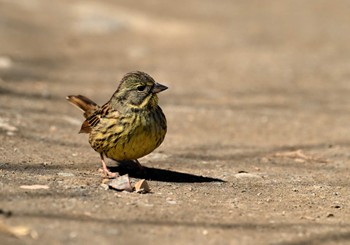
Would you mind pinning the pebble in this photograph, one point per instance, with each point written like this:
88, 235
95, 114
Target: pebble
170, 201
121, 183
34, 187
247, 175
65, 174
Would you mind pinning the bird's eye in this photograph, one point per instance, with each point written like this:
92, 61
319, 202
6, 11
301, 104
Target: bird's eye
141, 88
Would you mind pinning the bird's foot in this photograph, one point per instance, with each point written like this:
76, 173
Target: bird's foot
109, 175
106, 173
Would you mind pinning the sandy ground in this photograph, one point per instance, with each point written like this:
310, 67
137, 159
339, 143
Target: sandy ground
258, 146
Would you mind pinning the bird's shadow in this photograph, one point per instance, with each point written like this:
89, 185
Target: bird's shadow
157, 174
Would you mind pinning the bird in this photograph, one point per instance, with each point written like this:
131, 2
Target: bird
130, 125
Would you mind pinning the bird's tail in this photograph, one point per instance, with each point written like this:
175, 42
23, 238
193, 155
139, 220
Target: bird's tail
83, 103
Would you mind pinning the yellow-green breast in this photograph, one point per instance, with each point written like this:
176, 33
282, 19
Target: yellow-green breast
129, 137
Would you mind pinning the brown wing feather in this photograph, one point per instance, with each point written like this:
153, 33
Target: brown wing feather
85, 128
83, 103
95, 118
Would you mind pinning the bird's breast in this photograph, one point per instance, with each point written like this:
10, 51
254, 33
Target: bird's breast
133, 136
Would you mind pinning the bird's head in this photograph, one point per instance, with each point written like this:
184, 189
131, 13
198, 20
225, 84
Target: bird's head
137, 90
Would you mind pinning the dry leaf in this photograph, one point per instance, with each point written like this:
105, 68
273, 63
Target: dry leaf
142, 186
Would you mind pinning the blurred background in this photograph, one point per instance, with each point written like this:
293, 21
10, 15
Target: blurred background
255, 66
246, 79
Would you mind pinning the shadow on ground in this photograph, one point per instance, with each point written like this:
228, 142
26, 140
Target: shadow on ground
160, 174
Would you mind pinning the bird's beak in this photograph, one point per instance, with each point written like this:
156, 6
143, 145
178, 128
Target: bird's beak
158, 88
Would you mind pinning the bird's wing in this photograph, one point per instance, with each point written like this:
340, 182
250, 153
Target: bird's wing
93, 120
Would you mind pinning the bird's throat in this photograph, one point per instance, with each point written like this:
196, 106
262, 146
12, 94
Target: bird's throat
149, 103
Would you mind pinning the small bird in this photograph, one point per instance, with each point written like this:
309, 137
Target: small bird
130, 125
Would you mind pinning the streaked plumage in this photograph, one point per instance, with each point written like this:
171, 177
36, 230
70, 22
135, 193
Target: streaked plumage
130, 125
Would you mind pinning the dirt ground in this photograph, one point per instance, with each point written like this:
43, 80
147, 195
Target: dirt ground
258, 109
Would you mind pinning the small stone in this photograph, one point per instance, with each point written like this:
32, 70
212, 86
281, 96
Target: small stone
170, 201
34, 187
65, 174
247, 175
121, 183
242, 172
104, 186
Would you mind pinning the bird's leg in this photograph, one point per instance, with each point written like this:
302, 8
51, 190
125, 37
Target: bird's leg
106, 172
139, 166
140, 170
